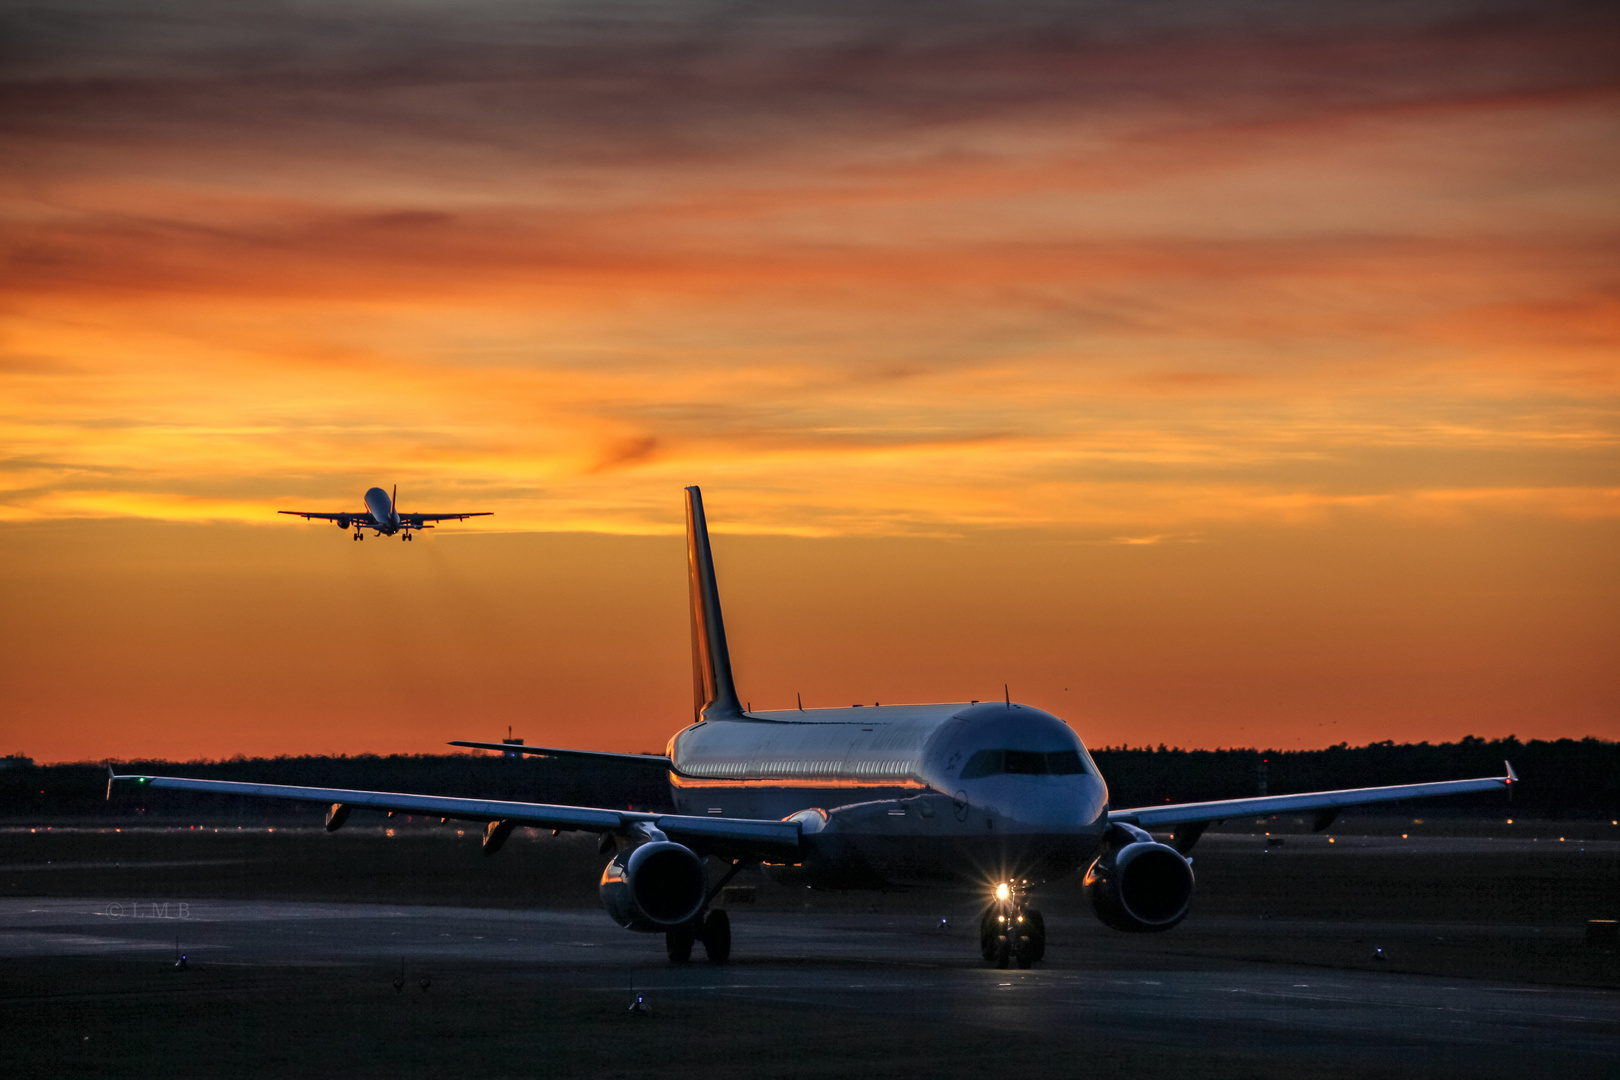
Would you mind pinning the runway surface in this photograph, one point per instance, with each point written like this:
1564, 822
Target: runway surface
1093, 984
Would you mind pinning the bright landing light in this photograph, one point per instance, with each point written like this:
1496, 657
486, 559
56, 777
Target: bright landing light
1002, 891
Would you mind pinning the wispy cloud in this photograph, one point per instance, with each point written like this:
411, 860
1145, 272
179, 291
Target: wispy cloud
873, 268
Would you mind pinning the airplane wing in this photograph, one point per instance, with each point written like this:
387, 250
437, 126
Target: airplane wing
744, 838
413, 515
362, 518
1204, 812
658, 761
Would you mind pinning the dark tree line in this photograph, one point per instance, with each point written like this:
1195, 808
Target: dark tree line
1562, 776
1569, 777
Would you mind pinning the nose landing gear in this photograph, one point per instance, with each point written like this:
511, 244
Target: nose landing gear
1010, 931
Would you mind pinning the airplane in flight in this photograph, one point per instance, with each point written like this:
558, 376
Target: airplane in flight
382, 516
996, 795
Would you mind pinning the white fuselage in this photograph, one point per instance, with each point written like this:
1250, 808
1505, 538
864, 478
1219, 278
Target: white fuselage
903, 794
382, 511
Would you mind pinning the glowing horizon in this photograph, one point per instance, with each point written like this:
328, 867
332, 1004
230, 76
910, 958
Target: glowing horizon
1121, 277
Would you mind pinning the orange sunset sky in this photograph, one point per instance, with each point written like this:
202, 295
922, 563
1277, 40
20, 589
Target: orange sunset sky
1211, 373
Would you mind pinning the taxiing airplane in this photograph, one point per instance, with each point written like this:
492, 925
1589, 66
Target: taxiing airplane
993, 794
382, 516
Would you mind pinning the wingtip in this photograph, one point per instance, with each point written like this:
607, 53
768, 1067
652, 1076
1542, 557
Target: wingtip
1512, 777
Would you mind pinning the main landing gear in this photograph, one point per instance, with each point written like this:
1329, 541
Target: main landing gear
714, 930
1011, 931
405, 536
359, 534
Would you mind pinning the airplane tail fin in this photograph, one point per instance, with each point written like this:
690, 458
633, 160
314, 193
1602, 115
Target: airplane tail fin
714, 694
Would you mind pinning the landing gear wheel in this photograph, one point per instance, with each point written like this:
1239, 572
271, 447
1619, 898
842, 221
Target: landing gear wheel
679, 944
717, 937
1003, 952
1035, 933
987, 936
1025, 953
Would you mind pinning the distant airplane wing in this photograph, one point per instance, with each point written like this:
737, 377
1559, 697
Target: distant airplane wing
1203, 812
658, 761
745, 838
414, 516
362, 518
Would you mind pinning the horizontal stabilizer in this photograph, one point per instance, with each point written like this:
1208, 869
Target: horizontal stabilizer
655, 761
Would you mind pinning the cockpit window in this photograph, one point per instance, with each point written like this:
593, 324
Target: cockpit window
1064, 763
1023, 763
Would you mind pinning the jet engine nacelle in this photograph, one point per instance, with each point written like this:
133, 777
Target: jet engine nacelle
654, 886
343, 521
416, 522
1140, 885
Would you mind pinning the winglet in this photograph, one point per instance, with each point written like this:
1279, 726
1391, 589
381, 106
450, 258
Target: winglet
1512, 777
714, 695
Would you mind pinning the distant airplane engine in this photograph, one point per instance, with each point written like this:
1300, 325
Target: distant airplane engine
1141, 886
654, 886
416, 522
343, 521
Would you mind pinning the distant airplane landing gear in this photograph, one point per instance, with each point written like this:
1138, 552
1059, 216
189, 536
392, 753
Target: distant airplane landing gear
1010, 931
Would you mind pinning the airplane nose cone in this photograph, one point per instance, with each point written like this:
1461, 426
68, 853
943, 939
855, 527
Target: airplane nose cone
1059, 803
1041, 804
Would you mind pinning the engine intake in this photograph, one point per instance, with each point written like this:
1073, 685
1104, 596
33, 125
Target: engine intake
343, 521
654, 886
1143, 886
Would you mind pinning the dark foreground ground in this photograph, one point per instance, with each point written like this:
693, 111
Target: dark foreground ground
296, 939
